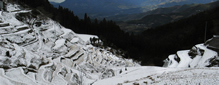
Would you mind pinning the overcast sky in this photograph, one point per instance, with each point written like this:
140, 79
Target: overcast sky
57, 1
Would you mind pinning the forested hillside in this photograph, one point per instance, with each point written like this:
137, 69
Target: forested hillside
152, 46
182, 34
107, 30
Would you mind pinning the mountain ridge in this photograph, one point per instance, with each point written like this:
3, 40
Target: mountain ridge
164, 15
106, 8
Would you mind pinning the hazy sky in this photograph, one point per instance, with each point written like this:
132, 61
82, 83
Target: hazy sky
57, 1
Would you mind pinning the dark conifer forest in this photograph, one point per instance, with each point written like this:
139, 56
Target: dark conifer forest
152, 46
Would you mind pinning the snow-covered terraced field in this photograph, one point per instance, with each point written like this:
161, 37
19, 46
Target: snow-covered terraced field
49, 54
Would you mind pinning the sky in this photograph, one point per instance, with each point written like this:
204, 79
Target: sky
57, 1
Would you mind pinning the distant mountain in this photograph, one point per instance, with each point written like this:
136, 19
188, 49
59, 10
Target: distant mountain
105, 8
162, 16
162, 10
99, 8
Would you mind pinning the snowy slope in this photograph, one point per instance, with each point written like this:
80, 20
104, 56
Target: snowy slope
163, 76
49, 54
199, 56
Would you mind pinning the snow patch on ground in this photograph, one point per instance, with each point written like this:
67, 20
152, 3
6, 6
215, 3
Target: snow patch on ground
86, 37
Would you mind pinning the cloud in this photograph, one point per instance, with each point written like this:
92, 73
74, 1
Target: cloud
57, 1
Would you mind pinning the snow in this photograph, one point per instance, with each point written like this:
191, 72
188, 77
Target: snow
8, 17
174, 62
13, 7
5, 81
53, 55
207, 55
162, 76
38, 55
59, 43
195, 61
75, 40
17, 74
200, 60
66, 32
86, 37
22, 26
184, 58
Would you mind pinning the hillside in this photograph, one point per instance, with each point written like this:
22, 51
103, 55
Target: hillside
104, 8
185, 67
161, 10
182, 34
108, 32
150, 48
164, 76
37, 50
198, 57
163, 16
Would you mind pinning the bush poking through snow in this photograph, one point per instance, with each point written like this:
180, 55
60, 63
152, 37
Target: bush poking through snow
7, 54
119, 84
120, 71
